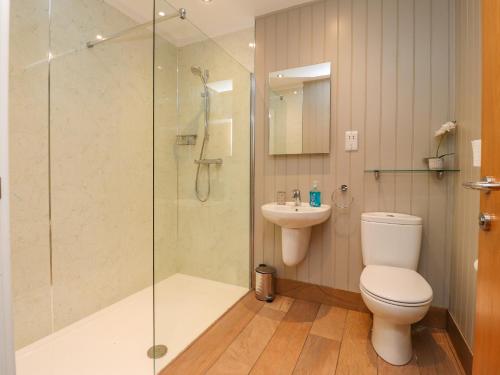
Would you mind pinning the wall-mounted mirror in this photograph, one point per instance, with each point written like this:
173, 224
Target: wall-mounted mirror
299, 110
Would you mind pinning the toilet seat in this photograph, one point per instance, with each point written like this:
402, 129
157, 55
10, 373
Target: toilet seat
395, 285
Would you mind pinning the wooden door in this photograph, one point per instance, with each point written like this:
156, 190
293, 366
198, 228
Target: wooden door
487, 339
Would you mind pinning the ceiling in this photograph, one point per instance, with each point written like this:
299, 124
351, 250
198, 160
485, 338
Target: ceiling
220, 17
215, 18
229, 22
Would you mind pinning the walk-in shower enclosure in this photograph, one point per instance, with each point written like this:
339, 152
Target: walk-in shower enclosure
112, 250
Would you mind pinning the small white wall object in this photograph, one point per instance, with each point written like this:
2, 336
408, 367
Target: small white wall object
476, 153
351, 140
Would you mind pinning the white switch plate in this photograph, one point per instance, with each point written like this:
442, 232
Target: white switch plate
351, 140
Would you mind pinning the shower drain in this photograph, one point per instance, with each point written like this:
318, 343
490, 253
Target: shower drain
157, 351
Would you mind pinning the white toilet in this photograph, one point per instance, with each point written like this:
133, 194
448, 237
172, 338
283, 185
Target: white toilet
390, 286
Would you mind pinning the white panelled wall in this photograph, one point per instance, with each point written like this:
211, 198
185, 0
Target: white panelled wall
393, 81
463, 275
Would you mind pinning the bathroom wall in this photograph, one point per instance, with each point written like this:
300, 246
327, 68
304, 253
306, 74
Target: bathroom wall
237, 45
28, 124
393, 81
101, 169
213, 237
468, 109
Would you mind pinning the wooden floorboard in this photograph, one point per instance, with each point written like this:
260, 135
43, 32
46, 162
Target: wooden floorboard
319, 356
281, 355
357, 355
242, 354
301, 337
204, 352
329, 322
434, 355
385, 368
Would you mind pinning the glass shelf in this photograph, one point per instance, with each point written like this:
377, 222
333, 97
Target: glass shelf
439, 172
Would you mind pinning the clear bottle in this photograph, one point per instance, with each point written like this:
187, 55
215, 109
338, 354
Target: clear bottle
315, 195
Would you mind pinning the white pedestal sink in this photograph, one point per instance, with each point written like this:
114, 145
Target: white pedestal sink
296, 223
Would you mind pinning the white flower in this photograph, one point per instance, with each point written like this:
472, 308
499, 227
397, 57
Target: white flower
445, 128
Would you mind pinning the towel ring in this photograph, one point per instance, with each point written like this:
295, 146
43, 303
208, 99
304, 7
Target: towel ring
346, 201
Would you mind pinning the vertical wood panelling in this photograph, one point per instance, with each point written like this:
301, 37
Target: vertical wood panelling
317, 161
468, 108
404, 110
292, 161
343, 76
373, 100
305, 58
331, 50
389, 97
281, 63
421, 120
358, 109
270, 162
260, 146
390, 82
440, 113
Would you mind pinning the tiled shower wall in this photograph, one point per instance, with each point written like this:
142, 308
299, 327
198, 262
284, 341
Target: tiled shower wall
101, 124
393, 81
214, 236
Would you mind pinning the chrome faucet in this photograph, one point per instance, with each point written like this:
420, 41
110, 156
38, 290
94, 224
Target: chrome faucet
296, 197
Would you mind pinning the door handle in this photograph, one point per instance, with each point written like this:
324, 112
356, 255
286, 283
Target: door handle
486, 184
485, 220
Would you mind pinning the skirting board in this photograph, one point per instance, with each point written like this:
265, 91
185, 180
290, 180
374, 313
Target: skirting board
435, 318
463, 350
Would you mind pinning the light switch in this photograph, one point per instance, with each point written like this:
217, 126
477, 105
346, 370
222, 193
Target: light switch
351, 140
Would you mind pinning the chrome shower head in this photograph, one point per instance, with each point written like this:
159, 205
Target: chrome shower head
196, 70
203, 74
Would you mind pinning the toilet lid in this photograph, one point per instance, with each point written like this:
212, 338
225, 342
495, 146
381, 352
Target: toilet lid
398, 285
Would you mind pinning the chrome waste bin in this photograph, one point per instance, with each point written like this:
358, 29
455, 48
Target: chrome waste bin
265, 283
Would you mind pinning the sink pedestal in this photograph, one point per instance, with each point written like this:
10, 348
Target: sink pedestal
294, 244
296, 222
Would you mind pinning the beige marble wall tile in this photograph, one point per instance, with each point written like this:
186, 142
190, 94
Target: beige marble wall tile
165, 168
29, 170
101, 130
214, 236
102, 163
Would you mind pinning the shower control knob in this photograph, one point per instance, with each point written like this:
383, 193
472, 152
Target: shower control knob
485, 220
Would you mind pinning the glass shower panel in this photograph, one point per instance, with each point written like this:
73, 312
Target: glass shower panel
202, 183
101, 188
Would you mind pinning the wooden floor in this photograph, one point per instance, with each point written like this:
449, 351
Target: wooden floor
297, 337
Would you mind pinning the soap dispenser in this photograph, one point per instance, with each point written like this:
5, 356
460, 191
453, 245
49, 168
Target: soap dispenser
315, 195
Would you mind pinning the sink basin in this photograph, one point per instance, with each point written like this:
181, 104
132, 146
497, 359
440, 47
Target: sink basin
296, 223
291, 216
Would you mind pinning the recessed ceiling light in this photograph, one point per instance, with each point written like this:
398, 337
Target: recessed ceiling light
161, 14
206, 1
280, 75
251, 44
